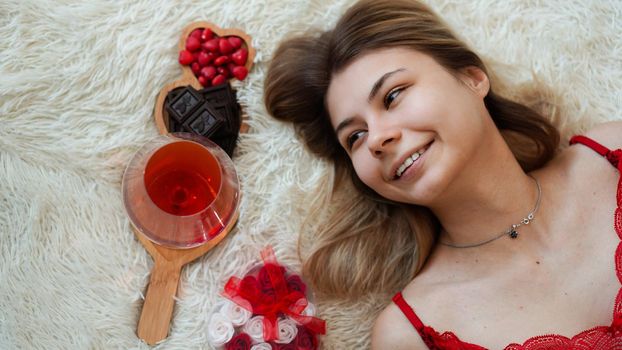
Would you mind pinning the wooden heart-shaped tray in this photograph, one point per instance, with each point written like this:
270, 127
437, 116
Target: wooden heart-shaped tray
188, 77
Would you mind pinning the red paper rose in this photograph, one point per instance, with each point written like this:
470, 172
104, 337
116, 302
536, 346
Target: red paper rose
249, 289
305, 340
277, 346
263, 277
241, 341
295, 284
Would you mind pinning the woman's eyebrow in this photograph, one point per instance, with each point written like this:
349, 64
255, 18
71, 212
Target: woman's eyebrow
342, 125
379, 82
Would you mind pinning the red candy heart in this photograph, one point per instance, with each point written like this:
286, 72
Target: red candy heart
207, 34
225, 46
235, 41
186, 57
196, 68
193, 44
197, 33
211, 45
240, 56
219, 61
203, 81
204, 58
213, 57
219, 79
209, 72
240, 72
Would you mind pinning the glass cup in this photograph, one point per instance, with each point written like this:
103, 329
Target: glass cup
180, 190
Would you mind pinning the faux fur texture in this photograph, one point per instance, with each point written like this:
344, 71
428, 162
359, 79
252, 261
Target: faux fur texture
78, 82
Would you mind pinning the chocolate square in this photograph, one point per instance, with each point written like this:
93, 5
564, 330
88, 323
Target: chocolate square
219, 94
205, 121
185, 104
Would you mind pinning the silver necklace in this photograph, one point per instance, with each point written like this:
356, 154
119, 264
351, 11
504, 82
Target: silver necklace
512, 230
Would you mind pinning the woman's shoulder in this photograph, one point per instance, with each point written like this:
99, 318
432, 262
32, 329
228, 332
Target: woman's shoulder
392, 330
608, 134
583, 161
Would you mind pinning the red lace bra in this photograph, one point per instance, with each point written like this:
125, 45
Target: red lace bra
597, 338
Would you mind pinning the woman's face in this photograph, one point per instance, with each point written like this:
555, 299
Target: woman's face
408, 124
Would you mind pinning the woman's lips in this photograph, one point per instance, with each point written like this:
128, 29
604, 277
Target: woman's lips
412, 164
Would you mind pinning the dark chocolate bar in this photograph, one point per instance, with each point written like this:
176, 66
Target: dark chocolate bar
212, 112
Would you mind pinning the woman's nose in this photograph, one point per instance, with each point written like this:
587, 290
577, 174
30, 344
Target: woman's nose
382, 138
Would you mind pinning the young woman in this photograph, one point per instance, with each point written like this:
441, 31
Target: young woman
464, 207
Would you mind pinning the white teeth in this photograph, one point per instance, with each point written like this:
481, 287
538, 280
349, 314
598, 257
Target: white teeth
408, 162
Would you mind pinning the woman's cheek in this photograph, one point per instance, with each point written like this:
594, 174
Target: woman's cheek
366, 171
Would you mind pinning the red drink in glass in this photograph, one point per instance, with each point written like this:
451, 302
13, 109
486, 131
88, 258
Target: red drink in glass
181, 190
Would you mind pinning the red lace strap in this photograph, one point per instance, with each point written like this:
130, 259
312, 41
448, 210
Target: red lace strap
433, 339
613, 156
398, 299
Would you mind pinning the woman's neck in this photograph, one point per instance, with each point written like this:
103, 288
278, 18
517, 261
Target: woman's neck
487, 199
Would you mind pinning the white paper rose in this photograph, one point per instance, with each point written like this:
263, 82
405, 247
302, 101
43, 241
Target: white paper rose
309, 310
254, 328
261, 346
220, 329
236, 314
287, 330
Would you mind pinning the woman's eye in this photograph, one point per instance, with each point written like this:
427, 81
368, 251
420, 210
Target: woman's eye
391, 96
353, 138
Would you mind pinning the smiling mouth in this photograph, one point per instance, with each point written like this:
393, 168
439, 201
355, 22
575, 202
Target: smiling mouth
408, 162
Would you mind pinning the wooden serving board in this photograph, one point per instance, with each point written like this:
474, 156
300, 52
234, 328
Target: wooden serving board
154, 322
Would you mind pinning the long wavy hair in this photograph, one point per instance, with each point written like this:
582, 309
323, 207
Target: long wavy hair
370, 244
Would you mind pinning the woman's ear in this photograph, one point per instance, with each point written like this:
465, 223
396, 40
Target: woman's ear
476, 80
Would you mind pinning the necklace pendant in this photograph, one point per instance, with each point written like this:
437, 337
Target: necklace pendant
513, 233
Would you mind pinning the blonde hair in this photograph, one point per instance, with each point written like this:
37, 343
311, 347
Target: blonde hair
368, 243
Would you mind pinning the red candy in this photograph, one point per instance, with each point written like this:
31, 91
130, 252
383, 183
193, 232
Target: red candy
186, 57
219, 79
207, 34
203, 81
240, 56
193, 44
240, 72
209, 72
211, 45
196, 68
221, 60
197, 33
204, 59
225, 46
214, 59
235, 41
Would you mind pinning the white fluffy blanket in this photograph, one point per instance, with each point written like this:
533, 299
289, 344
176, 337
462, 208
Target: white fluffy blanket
78, 82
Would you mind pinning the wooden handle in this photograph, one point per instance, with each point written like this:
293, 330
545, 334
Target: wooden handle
158, 307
